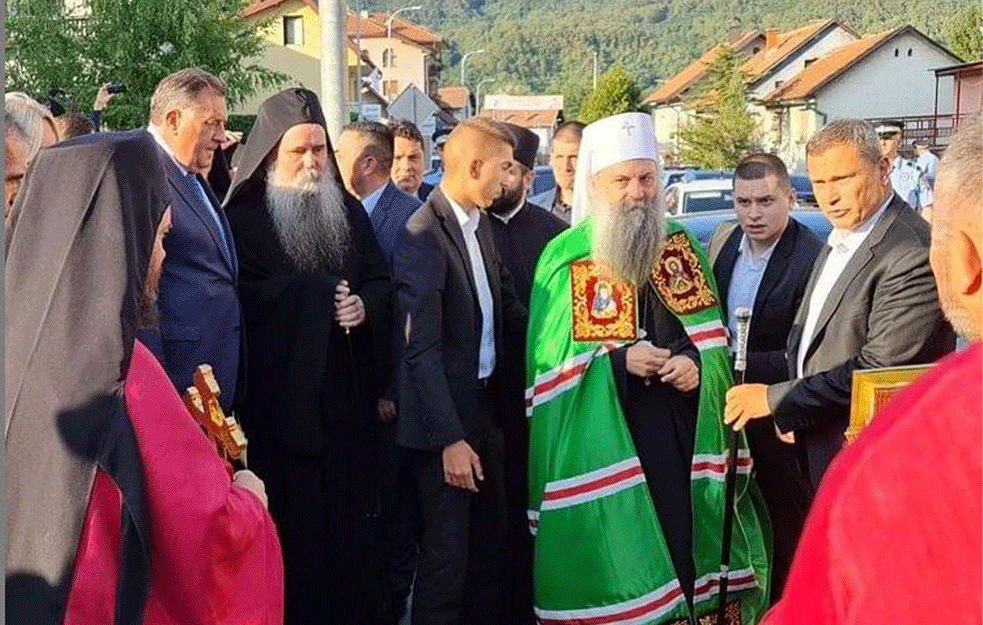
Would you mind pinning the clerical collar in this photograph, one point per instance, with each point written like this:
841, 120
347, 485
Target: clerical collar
507, 217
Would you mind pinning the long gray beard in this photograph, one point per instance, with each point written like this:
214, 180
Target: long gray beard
310, 221
629, 238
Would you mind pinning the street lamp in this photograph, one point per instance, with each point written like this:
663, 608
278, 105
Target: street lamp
477, 99
465, 60
389, 29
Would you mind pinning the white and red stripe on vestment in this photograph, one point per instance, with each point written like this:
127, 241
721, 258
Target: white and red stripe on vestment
644, 609
563, 378
594, 485
709, 585
708, 335
714, 466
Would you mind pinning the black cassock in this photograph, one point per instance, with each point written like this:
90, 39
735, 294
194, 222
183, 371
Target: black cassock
662, 422
520, 241
308, 410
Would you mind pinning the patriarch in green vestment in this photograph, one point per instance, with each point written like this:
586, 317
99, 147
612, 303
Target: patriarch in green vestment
627, 367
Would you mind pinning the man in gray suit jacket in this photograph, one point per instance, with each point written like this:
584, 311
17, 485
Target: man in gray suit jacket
871, 300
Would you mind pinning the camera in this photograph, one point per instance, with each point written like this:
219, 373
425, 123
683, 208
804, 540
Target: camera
116, 89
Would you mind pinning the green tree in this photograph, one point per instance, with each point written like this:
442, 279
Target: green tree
965, 33
135, 42
616, 92
723, 128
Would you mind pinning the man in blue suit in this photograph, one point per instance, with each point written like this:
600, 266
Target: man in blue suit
364, 152
365, 155
200, 317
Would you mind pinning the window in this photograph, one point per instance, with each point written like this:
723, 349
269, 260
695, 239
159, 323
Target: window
909, 51
389, 58
897, 52
390, 88
810, 62
779, 83
293, 30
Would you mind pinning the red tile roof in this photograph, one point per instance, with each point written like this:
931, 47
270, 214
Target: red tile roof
787, 44
525, 119
455, 97
675, 86
806, 83
373, 27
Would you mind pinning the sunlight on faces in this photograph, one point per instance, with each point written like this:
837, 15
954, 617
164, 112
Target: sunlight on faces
629, 214
762, 208
407, 170
301, 157
563, 160
848, 188
350, 155
492, 172
517, 182
306, 205
957, 242
890, 142
196, 132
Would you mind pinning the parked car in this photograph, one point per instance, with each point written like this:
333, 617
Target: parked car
702, 225
699, 196
803, 189
672, 176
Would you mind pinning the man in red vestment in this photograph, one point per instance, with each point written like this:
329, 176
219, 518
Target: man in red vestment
118, 508
895, 532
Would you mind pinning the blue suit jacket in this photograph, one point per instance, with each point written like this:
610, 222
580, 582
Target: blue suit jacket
200, 317
389, 218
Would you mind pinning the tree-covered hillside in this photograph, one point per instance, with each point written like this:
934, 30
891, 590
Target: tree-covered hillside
547, 46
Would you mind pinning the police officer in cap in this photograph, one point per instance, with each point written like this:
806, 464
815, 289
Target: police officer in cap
906, 178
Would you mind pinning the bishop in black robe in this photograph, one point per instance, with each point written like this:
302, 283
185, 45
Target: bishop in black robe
521, 231
662, 422
311, 386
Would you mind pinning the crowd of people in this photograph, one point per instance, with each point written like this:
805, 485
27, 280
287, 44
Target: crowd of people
468, 405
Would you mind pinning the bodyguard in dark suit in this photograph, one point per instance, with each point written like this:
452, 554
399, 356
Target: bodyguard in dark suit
456, 308
871, 300
200, 316
364, 152
763, 262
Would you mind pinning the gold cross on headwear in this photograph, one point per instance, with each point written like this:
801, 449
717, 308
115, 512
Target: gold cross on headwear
627, 127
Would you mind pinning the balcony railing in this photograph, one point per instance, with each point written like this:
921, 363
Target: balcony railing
937, 129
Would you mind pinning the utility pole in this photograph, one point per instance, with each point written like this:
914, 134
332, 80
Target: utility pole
595, 69
464, 60
331, 14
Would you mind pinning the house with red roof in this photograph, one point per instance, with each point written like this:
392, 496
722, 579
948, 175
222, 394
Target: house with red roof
889, 75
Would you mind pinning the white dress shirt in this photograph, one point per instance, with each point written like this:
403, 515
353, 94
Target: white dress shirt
202, 195
845, 244
745, 280
469, 226
370, 200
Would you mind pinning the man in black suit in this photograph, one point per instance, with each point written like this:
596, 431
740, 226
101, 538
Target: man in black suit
763, 263
200, 315
871, 300
365, 155
455, 308
521, 232
410, 160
